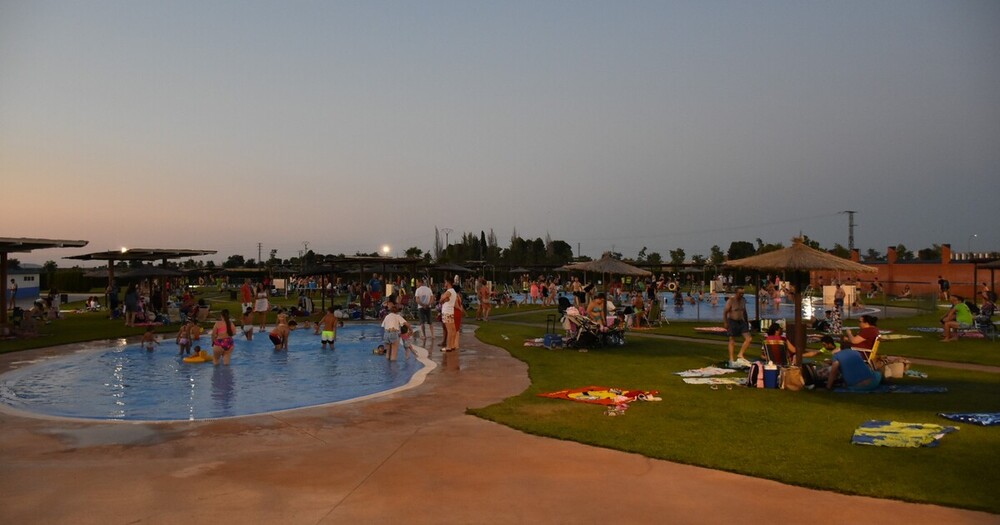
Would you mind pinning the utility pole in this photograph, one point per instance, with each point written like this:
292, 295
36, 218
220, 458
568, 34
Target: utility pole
850, 228
259, 246
446, 231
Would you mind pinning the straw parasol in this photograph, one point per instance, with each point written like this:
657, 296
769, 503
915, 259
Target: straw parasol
608, 264
800, 260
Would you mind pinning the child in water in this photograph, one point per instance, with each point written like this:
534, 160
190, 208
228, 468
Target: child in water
184, 338
404, 338
248, 323
279, 336
149, 340
330, 324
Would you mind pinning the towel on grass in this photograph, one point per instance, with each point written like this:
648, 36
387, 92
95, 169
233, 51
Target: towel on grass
602, 395
897, 434
707, 371
897, 389
714, 381
986, 419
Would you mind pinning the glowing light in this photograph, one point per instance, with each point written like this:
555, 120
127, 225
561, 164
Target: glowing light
385, 249
124, 249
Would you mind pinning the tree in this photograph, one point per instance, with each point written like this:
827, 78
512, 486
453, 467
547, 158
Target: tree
414, 252
235, 261
677, 257
740, 250
642, 255
930, 254
50, 270
769, 247
717, 257
841, 251
903, 254
698, 259
654, 258
13, 264
810, 243
250, 263
562, 253
872, 255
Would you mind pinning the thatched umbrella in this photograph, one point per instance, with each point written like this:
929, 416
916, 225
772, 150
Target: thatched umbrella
800, 260
608, 264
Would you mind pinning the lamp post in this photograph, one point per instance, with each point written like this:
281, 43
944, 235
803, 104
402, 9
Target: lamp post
973, 236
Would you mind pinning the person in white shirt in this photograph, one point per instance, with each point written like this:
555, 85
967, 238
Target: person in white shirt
448, 300
393, 323
425, 302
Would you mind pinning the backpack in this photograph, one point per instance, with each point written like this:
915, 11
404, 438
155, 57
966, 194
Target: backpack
972, 307
755, 377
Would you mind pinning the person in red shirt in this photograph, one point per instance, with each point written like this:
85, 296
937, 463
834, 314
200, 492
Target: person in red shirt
864, 341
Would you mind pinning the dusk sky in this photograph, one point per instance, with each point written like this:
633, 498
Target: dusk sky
218, 125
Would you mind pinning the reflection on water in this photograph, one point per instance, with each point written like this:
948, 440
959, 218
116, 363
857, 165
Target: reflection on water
223, 388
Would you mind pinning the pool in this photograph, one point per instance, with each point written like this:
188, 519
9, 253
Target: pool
128, 383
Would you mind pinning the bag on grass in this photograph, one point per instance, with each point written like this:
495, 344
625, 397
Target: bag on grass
755, 377
791, 378
810, 375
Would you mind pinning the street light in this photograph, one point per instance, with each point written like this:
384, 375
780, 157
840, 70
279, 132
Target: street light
385, 250
973, 236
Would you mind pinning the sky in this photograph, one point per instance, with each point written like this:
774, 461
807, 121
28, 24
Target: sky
611, 125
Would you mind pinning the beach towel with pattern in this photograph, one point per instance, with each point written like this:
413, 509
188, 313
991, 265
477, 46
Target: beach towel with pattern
714, 381
707, 371
897, 434
986, 419
602, 395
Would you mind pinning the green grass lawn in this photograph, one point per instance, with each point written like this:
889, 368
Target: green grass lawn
927, 346
801, 438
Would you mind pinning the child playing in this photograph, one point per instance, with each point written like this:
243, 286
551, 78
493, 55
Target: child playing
184, 338
404, 336
149, 340
196, 331
248, 323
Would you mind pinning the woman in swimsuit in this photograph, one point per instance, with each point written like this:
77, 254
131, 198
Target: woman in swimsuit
222, 339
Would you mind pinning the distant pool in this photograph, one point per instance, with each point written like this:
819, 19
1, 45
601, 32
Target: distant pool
129, 383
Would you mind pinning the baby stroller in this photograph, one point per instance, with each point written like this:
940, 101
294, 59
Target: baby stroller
585, 333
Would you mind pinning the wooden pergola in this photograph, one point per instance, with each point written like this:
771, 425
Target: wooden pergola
24, 244
139, 254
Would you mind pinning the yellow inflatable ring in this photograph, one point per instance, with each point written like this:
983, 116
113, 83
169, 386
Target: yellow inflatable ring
203, 357
672, 286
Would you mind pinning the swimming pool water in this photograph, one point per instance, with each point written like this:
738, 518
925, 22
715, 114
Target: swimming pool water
129, 383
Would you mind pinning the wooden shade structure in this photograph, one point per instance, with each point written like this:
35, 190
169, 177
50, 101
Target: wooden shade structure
799, 259
25, 244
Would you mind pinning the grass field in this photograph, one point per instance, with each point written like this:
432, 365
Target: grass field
801, 438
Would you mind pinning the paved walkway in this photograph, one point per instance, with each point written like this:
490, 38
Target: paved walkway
412, 457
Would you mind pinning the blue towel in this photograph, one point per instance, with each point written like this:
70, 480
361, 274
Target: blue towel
897, 389
986, 419
898, 434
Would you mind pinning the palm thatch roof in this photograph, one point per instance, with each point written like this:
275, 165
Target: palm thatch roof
608, 264
799, 257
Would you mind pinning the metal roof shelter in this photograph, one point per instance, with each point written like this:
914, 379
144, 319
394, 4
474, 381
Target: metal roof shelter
138, 254
24, 244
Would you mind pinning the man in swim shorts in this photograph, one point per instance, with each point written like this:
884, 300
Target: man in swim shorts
279, 336
737, 324
329, 322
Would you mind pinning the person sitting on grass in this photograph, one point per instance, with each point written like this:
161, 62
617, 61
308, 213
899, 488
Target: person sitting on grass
849, 365
959, 317
773, 343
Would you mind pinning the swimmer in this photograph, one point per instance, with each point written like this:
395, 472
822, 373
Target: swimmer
184, 338
149, 340
405, 334
248, 323
380, 350
330, 324
714, 298
195, 331
279, 336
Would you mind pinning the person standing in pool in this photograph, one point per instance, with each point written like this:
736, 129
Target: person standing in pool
279, 336
248, 322
329, 322
261, 307
393, 324
222, 339
737, 324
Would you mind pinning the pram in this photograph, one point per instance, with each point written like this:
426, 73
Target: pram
585, 333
